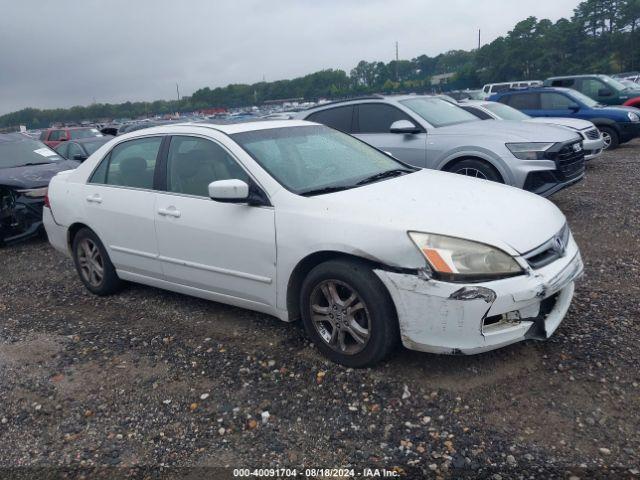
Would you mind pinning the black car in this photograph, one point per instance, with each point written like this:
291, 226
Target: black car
26, 166
81, 148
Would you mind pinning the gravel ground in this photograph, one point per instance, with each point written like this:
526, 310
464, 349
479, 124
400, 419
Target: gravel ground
148, 381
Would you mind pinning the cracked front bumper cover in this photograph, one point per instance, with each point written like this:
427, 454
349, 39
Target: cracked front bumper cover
450, 318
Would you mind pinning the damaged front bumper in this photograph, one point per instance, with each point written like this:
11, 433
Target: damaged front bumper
453, 318
20, 216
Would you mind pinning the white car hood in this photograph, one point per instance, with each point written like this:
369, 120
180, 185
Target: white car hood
509, 131
574, 123
448, 204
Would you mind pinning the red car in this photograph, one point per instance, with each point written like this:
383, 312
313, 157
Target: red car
55, 136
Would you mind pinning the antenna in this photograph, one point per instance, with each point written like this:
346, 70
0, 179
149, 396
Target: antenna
178, 91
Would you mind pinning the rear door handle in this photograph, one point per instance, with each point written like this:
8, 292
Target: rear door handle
169, 212
95, 198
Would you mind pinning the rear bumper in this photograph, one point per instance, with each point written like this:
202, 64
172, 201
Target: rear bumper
57, 234
434, 316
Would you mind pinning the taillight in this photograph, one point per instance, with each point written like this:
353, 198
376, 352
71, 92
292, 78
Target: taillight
46, 201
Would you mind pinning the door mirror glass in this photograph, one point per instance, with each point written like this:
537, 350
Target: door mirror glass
403, 126
231, 191
604, 92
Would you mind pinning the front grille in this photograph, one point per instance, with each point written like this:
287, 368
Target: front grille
550, 250
569, 160
592, 134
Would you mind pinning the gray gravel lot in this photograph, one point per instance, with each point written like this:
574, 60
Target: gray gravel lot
149, 378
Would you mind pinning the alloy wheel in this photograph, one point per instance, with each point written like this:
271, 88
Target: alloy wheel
90, 262
340, 317
607, 139
472, 172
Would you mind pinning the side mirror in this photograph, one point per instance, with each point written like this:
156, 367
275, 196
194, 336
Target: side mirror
604, 92
229, 191
574, 108
403, 126
80, 158
63, 139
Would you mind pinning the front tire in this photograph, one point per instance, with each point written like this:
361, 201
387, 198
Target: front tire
610, 137
93, 265
348, 313
475, 168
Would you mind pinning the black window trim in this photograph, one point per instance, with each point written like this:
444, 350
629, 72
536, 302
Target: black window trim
355, 122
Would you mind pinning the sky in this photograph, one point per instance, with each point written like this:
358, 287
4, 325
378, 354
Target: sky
76, 52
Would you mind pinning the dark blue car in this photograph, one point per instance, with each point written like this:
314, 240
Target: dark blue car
617, 124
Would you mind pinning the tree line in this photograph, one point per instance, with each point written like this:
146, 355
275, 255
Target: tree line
602, 36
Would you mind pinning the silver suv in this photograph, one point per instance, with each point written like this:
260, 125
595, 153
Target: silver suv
429, 132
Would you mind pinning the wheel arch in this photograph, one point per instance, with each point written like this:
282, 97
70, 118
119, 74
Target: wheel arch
73, 230
450, 162
305, 265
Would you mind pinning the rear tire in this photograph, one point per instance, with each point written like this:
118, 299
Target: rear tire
93, 264
610, 137
475, 168
348, 314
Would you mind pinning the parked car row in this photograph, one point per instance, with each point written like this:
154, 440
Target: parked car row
338, 218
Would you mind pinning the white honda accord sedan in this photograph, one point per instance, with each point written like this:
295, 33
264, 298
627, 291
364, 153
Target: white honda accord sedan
297, 220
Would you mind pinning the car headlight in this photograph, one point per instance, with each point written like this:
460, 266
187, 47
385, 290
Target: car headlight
34, 192
529, 150
633, 117
454, 259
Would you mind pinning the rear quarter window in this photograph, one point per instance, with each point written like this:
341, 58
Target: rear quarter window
339, 118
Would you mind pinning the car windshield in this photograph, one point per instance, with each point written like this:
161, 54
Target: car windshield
437, 112
91, 147
505, 112
17, 150
581, 97
84, 133
315, 159
614, 83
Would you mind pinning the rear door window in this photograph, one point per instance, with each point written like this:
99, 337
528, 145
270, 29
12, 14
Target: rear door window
523, 101
339, 118
130, 164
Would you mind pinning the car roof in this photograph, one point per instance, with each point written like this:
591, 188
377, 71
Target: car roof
583, 75
535, 90
71, 128
226, 128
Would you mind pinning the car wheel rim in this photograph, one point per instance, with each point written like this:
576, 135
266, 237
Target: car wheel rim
340, 317
90, 262
607, 139
472, 172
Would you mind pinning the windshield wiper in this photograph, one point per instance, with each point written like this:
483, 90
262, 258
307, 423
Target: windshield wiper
30, 164
320, 191
387, 174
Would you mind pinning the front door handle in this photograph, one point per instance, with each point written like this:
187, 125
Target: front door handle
95, 198
169, 212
